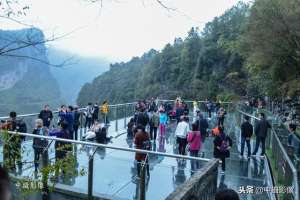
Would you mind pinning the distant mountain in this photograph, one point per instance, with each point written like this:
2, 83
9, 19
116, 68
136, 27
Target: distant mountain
199, 66
72, 77
26, 83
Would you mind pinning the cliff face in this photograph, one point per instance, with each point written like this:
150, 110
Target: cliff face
26, 82
10, 78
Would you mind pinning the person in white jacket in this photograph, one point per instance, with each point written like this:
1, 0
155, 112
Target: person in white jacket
181, 134
195, 111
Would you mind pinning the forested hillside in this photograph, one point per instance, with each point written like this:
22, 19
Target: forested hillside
250, 50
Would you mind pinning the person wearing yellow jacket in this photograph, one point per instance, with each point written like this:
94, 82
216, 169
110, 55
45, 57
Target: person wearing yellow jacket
104, 111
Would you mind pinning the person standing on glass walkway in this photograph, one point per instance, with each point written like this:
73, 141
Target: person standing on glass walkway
40, 145
46, 115
142, 141
246, 133
261, 132
104, 112
88, 116
222, 145
163, 120
181, 132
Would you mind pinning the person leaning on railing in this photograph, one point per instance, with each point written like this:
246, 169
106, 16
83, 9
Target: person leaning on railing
61, 148
46, 115
39, 144
12, 146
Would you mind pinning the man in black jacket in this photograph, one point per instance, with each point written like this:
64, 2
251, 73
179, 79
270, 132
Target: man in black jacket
77, 115
46, 115
261, 131
246, 133
202, 125
142, 118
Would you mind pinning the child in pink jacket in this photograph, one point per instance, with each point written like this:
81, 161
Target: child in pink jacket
194, 140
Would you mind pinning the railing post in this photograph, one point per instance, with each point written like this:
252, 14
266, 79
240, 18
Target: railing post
116, 114
90, 177
81, 125
133, 109
142, 193
125, 115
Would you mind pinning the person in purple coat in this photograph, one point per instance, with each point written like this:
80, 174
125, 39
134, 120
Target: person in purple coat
61, 148
67, 115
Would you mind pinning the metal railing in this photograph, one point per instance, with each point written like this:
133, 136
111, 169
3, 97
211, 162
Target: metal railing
95, 146
118, 111
201, 186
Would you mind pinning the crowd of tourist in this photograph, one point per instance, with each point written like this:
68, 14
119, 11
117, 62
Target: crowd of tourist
150, 122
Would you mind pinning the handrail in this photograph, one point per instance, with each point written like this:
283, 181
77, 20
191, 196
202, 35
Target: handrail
190, 101
271, 195
111, 105
56, 111
109, 146
247, 114
294, 171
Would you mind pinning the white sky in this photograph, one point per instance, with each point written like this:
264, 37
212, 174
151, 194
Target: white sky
120, 29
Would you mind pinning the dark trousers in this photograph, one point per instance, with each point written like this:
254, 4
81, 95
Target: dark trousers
153, 132
95, 118
88, 122
76, 127
39, 152
223, 162
195, 164
221, 121
182, 142
209, 113
243, 141
139, 164
259, 140
105, 118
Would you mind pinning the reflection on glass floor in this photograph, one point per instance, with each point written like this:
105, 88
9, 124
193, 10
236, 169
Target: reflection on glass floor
115, 173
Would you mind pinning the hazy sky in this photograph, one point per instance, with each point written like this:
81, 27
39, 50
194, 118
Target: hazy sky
119, 29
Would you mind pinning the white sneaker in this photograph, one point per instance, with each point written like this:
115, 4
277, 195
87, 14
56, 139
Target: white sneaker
240, 156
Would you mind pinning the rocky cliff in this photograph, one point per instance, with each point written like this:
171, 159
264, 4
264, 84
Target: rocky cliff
26, 82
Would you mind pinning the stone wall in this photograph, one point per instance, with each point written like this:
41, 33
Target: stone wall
201, 186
